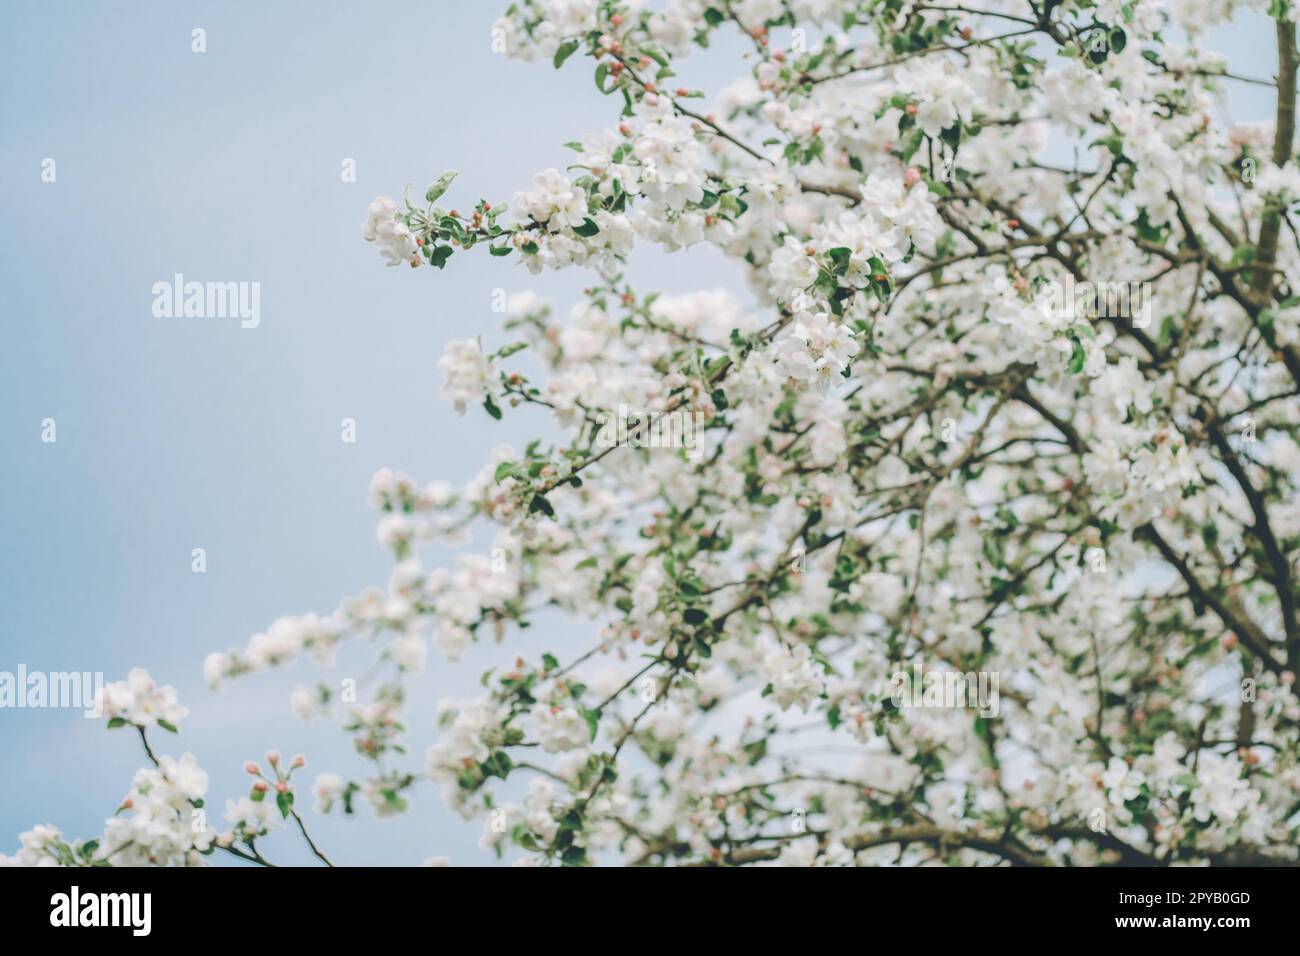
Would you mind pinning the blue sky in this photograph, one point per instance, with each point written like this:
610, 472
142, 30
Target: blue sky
175, 434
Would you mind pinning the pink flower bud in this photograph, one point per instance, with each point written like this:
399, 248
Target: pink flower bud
259, 786
911, 177
299, 761
281, 787
273, 757
252, 768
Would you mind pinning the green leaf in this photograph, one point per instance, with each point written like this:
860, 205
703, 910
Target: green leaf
440, 187
1076, 357
952, 135
539, 503
592, 717
652, 50
498, 764
565, 51
167, 725
840, 257
491, 407
1146, 231
1167, 329
587, 229
116, 722
574, 856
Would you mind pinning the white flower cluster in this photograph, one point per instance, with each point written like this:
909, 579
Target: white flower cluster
793, 676
160, 821
162, 825
386, 228
139, 701
283, 641
327, 788
472, 729
468, 377
534, 29
817, 351
555, 202
40, 846
560, 728
250, 818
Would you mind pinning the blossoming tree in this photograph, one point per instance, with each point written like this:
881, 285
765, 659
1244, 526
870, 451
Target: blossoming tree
932, 441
